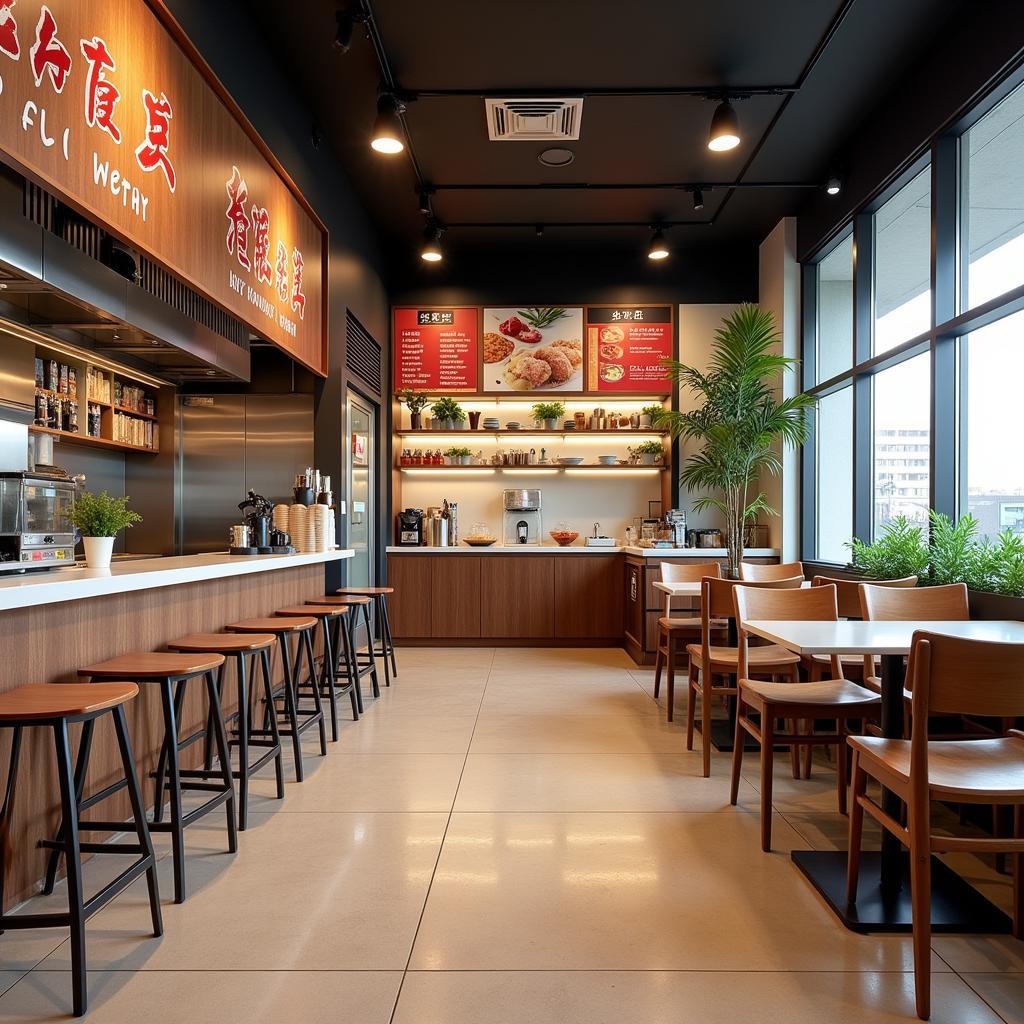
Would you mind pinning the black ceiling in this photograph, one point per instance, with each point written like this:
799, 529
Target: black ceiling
843, 56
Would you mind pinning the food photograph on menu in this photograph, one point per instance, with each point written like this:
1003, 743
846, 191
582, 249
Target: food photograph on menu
533, 348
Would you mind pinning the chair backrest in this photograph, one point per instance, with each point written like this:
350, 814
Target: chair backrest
674, 572
848, 592
952, 675
811, 604
924, 604
754, 573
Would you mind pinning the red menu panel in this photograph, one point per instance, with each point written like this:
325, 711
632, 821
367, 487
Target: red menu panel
437, 349
627, 346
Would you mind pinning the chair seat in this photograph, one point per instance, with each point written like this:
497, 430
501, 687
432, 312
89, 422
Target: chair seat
273, 625
153, 665
956, 768
837, 693
222, 643
341, 599
757, 657
673, 624
319, 611
365, 591
63, 700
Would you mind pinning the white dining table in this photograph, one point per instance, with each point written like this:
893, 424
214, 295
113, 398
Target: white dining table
883, 903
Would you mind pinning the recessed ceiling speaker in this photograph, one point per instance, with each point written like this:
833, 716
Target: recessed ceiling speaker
556, 157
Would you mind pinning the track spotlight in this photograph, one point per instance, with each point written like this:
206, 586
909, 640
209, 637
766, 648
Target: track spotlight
425, 202
431, 251
833, 186
347, 20
540, 230
387, 128
698, 199
725, 128
658, 249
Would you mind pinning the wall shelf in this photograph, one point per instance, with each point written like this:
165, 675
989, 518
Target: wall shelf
624, 432
590, 468
93, 442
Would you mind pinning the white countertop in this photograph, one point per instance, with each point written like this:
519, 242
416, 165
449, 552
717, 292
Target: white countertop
74, 584
580, 549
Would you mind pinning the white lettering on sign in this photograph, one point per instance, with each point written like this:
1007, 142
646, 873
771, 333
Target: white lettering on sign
131, 196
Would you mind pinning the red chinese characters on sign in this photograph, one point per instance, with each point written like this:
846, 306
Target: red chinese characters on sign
298, 298
101, 95
48, 53
281, 270
238, 222
260, 221
152, 153
9, 30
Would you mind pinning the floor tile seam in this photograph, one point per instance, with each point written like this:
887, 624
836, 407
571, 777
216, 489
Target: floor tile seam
440, 848
981, 996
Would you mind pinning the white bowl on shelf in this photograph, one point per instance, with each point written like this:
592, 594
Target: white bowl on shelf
607, 460
567, 461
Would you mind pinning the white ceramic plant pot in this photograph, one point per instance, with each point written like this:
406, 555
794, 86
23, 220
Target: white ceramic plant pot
646, 422
649, 458
466, 460
98, 551
551, 424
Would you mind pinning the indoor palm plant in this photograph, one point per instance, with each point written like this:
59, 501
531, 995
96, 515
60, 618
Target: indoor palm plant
740, 426
100, 518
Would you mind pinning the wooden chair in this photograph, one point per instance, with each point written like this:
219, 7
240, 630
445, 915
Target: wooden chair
946, 675
834, 700
707, 660
672, 630
751, 572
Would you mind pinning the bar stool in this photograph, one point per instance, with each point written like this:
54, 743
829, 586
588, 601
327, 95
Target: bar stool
255, 646
171, 672
328, 672
298, 719
379, 596
57, 706
360, 666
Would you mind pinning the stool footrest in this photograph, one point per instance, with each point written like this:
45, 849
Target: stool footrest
133, 848
97, 798
195, 814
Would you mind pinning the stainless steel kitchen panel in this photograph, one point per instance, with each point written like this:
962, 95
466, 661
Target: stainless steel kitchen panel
278, 443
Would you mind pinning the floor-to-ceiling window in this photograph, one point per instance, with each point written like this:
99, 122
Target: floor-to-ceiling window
914, 344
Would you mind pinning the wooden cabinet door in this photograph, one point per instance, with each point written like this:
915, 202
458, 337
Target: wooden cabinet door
517, 595
634, 603
455, 596
409, 605
588, 596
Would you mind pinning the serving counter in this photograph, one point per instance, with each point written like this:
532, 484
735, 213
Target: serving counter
53, 623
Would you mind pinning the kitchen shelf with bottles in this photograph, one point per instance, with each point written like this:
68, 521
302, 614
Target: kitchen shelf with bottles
94, 403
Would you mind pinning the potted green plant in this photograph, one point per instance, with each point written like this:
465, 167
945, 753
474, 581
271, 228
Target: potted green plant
739, 424
549, 413
649, 452
447, 414
415, 402
900, 551
459, 456
100, 518
649, 416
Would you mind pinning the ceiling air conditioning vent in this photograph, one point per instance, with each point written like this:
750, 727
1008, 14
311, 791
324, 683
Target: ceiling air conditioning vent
541, 120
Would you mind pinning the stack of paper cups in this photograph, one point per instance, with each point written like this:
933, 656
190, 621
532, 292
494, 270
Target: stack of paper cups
281, 518
297, 525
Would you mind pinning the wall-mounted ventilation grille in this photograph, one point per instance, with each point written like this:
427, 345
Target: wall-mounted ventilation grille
45, 210
543, 120
363, 354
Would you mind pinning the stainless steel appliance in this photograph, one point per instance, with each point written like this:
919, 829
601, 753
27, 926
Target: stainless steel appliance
410, 528
522, 517
35, 531
708, 539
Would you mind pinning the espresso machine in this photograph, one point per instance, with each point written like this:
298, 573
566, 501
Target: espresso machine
522, 518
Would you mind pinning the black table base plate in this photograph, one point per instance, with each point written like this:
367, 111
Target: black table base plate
956, 905
723, 734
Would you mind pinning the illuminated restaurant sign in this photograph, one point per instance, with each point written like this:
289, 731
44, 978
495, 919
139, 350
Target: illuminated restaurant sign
100, 102
436, 349
627, 348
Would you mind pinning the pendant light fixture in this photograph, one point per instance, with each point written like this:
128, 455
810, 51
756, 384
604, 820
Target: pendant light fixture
387, 128
698, 199
431, 251
658, 249
833, 186
725, 129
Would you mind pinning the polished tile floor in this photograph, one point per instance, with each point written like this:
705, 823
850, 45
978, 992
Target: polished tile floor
510, 837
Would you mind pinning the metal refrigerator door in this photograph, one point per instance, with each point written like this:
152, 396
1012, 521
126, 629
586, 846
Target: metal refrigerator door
278, 443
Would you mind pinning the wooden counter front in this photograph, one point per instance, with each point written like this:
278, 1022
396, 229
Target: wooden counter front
49, 643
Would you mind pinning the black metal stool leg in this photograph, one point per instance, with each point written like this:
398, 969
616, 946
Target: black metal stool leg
208, 738
6, 811
275, 735
378, 621
370, 650
73, 867
389, 641
291, 704
352, 661
328, 680
161, 765
139, 813
341, 655
243, 743
177, 829
224, 754
81, 767
306, 639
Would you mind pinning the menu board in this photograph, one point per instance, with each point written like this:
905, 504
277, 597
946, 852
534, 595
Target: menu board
535, 349
627, 346
436, 349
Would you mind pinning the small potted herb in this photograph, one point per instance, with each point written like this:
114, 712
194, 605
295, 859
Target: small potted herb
415, 402
649, 416
649, 452
549, 413
458, 456
448, 414
100, 518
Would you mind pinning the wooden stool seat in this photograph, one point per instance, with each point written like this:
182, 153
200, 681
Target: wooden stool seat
340, 599
46, 701
319, 610
153, 665
273, 625
365, 591
223, 643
